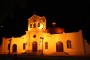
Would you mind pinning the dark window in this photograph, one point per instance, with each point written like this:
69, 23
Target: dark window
34, 36
38, 24
23, 45
34, 25
46, 45
68, 44
30, 25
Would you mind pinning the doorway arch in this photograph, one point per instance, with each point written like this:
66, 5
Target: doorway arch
34, 46
14, 48
59, 46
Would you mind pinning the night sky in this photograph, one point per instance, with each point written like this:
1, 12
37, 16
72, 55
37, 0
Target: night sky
70, 15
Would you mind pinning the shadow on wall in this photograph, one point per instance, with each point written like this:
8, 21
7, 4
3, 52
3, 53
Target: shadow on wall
0, 49
0, 40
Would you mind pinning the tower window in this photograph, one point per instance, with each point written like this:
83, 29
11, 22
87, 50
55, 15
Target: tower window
23, 45
46, 45
68, 44
38, 24
30, 25
34, 25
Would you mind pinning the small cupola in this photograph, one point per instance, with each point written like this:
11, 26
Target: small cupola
53, 23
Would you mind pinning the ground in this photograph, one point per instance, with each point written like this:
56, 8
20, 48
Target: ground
34, 57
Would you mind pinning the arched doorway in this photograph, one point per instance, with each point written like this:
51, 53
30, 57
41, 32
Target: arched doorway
59, 46
34, 46
14, 48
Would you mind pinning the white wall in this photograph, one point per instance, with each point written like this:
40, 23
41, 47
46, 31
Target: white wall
75, 38
19, 42
77, 43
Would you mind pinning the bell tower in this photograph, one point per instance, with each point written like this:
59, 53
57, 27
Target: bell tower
37, 23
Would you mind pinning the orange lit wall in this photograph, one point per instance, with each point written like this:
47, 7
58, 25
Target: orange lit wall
52, 39
5, 43
19, 42
76, 41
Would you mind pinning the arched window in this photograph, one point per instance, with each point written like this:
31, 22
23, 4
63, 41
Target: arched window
68, 44
23, 45
14, 48
34, 25
38, 24
30, 25
46, 45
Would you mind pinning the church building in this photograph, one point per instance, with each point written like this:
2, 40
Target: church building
39, 40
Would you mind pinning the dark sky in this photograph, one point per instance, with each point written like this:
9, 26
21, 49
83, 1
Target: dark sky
71, 15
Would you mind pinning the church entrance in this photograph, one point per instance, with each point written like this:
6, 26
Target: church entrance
14, 48
59, 46
34, 46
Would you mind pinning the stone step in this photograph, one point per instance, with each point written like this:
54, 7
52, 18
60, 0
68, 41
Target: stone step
53, 54
58, 54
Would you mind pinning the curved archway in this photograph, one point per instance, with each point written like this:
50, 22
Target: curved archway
34, 46
14, 48
59, 46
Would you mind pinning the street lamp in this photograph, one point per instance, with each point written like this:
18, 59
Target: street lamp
42, 44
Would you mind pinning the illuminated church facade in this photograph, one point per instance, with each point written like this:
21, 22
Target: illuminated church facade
39, 40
